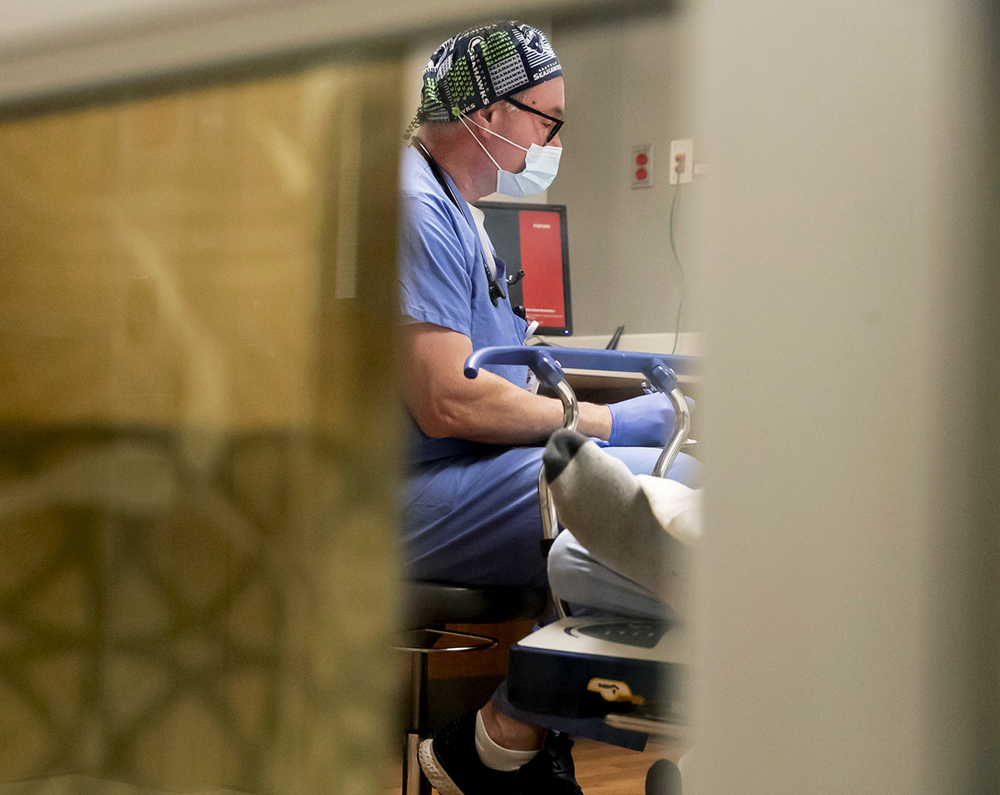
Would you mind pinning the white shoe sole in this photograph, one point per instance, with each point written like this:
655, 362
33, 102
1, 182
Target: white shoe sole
429, 763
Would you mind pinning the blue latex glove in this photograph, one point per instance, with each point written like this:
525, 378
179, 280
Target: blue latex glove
644, 421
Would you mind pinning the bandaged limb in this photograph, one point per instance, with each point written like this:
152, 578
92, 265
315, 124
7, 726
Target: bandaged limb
640, 526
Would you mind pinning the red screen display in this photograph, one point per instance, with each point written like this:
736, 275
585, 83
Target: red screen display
541, 259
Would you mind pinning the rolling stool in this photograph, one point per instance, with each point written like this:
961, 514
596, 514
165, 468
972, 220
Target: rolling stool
428, 606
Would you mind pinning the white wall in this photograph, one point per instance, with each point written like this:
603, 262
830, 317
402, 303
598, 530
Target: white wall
627, 83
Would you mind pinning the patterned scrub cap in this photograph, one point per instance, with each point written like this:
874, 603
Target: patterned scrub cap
483, 65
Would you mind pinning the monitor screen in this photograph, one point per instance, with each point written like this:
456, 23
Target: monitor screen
532, 238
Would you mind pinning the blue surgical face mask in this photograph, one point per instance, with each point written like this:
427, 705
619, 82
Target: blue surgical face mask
541, 165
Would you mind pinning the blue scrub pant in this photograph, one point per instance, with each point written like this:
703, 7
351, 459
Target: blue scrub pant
476, 519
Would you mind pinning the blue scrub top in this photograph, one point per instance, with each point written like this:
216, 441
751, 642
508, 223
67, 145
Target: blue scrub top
443, 281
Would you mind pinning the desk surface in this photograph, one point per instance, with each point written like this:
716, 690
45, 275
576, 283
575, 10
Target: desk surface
598, 379
602, 387
691, 343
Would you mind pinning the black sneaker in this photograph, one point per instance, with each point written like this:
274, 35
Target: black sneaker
551, 772
452, 765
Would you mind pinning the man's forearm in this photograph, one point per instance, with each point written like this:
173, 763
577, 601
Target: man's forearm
490, 409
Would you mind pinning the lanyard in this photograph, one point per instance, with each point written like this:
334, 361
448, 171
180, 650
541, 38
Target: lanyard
480, 218
489, 265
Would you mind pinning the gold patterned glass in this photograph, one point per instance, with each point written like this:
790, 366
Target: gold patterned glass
199, 439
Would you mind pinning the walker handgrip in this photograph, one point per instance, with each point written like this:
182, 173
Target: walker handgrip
548, 372
665, 380
582, 359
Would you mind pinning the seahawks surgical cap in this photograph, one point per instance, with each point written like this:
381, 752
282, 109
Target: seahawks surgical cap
482, 66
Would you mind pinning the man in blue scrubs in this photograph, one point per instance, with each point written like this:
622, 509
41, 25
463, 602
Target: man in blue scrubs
491, 108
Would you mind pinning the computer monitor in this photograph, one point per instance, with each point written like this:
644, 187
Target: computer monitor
533, 238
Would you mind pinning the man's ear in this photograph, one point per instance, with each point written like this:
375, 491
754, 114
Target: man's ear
487, 116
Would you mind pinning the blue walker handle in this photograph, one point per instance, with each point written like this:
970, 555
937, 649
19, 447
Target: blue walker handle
661, 370
547, 363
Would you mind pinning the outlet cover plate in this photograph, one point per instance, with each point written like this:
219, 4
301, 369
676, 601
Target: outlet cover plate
642, 166
683, 146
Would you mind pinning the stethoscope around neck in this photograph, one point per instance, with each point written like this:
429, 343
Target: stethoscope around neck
495, 281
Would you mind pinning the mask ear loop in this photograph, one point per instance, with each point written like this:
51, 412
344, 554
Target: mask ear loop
474, 138
497, 135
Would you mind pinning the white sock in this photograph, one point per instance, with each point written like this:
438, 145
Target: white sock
642, 527
496, 757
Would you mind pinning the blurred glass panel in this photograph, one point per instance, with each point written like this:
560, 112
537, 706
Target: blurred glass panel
198, 439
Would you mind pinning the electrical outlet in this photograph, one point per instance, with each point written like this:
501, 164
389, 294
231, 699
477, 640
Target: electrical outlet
642, 166
681, 161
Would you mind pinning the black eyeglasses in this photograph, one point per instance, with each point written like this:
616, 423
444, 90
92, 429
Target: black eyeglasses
553, 131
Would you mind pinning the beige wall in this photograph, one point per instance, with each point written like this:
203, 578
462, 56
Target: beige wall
848, 602
627, 83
